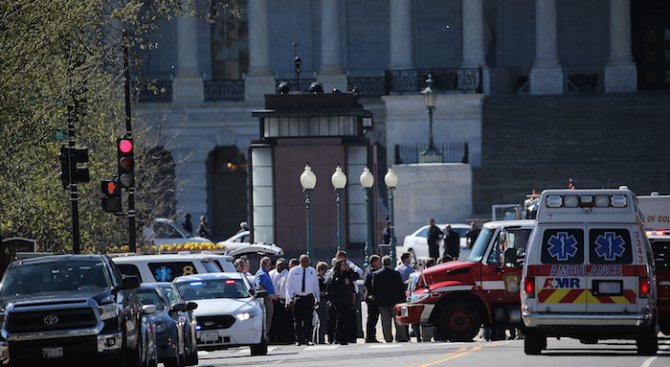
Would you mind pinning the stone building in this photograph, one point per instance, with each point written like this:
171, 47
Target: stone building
513, 76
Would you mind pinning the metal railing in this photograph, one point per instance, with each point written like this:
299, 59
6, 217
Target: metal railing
451, 152
224, 90
444, 80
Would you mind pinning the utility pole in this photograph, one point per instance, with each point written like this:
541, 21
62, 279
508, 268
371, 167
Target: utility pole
132, 241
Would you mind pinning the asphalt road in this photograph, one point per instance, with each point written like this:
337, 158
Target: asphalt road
564, 352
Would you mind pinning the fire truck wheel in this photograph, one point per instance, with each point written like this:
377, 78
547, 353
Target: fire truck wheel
459, 321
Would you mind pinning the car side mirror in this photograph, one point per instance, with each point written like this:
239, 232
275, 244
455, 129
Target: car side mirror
260, 293
190, 306
148, 309
181, 306
129, 282
511, 257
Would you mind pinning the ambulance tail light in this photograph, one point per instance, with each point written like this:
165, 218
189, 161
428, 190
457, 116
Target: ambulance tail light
602, 201
619, 201
529, 287
644, 287
571, 201
586, 201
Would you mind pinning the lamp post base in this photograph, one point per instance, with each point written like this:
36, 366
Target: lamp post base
431, 155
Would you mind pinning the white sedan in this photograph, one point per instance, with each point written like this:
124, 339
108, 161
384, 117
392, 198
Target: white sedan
228, 314
239, 244
417, 242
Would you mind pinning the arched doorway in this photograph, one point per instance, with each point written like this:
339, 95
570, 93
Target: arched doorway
227, 202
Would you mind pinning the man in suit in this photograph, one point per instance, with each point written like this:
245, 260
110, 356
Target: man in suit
389, 290
434, 237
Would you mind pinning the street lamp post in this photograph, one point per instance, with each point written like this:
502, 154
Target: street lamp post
367, 181
339, 181
308, 182
431, 154
391, 181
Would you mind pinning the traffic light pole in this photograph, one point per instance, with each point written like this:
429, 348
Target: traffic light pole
132, 241
74, 193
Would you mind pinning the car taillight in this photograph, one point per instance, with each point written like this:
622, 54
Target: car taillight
644, 287
529, 287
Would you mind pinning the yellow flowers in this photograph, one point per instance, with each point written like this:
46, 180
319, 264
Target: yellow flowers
173, 248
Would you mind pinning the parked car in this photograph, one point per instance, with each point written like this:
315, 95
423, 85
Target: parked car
229, 313
163, 231
165, 268
417, 242
184, 310
241, 242
173, 345
73, 308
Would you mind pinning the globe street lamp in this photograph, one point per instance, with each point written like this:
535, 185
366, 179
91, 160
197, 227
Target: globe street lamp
339, 181
308, 182
367, 180
431, 154
391, 181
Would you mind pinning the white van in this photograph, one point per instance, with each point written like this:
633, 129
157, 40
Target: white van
167, 267
588, 271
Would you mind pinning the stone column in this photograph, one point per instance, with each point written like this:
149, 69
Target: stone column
259, 81
546, 76
620, 71
187, 86
402, 51
473, 34
332, 74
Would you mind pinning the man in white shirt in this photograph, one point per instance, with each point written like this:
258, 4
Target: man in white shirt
302, 293
281, 331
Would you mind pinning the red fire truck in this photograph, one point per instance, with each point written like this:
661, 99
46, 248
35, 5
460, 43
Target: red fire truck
655, 212
459, 297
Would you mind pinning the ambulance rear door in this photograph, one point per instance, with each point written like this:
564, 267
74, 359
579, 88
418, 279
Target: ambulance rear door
615, 256
560, 280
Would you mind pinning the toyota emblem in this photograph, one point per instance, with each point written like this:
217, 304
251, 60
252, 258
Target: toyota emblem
209, 323
51, 320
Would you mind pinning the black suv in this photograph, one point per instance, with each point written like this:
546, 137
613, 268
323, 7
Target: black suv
70, 307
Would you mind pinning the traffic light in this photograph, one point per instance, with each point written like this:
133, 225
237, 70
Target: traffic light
70, 172
126, 161
111, 201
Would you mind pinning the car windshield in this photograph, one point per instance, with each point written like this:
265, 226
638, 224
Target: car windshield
170, 294
151, 297
479, 248
214, 288
73, 276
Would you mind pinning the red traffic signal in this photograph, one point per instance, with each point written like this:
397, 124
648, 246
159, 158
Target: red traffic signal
126, 162
111, 200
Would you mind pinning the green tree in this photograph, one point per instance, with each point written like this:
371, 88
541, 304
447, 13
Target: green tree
60, 55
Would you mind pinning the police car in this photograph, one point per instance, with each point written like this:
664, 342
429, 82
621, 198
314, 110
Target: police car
588, 271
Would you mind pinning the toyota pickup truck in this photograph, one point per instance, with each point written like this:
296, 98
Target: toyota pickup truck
72, 308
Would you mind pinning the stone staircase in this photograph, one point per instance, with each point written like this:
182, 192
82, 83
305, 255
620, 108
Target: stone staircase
538, 142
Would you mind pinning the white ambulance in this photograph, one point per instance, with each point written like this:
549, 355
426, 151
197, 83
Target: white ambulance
588, 271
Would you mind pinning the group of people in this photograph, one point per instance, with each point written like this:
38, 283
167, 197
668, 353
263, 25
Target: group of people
452, 241
309, 305
203, 227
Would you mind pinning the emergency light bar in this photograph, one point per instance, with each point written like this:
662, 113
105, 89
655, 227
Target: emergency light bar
587, 201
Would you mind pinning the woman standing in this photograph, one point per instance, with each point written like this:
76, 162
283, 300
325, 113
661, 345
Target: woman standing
342, 295
322, 311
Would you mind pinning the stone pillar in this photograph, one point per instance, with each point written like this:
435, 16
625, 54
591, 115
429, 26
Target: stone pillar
473, 34
546, 76
259, 81
187, 86
402, 52
332, 74
620, 71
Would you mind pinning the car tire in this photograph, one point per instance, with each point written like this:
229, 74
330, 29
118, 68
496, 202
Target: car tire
459, 321
260, 349
647, 345
192, 358
533, 343
175, 362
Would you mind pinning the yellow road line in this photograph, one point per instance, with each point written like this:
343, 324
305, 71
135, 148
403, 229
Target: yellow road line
460, 353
